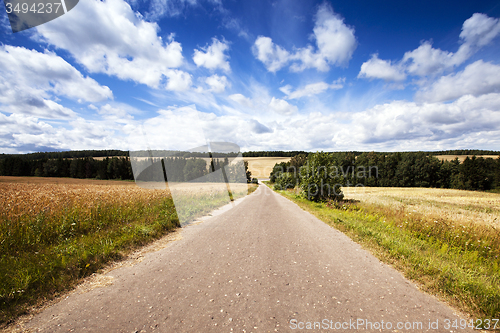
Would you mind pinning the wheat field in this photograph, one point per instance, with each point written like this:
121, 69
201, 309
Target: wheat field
454, 205
462, 158
261, 167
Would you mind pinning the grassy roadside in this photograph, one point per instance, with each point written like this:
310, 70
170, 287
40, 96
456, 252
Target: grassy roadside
67, 232
458, 262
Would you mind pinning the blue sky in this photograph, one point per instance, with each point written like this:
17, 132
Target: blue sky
266, 75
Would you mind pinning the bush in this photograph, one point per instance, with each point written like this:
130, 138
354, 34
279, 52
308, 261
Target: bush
285, 181
320, 180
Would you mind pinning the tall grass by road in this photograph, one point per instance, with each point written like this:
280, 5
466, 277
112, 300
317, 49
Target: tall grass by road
52, 235
459, 261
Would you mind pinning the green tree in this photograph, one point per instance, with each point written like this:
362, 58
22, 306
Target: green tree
319, 181
194, 168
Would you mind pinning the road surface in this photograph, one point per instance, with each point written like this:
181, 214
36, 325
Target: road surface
263, 266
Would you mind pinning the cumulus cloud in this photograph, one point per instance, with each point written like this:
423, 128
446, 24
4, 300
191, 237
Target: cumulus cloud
477, 31
178, 80
335, 44
312, 89
27, 133
217, 83
282, 107
213, 56
381, 69
31, 82
49, 72
116, 41
402, 122
273, 56
398, 125
426, 60
480, 30
476, 79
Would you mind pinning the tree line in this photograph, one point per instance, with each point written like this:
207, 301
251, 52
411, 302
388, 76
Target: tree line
276, 153
156, 169
86, 167
401, 169
279, 153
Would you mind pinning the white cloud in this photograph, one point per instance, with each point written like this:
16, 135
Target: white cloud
116, 41
312, 89
335, 43
286, 89
398, 125
242, 100
480, 29
476, 79
46, 71
273, 56
178, 80
32, 81
335, 40
381, 69
24, 133
213, 57
217, 83
405, 124
426, 60
309, 90
116, 113
477, 31
282, 107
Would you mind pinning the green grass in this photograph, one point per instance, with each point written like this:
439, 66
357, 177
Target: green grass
460, 263
49, 253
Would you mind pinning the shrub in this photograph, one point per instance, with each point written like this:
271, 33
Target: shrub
285, 181
319, 179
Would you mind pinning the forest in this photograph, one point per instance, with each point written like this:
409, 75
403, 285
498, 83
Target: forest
400, 169
178, 168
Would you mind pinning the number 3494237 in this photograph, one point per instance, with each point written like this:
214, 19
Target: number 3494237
35, 8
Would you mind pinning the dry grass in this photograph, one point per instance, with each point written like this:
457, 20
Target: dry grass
462, 207
461, 158
261, 167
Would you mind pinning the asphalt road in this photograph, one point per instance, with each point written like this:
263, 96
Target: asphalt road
263, 266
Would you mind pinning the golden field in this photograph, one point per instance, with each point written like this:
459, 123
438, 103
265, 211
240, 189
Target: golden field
461, 158
34, 197
261, 167
455, 205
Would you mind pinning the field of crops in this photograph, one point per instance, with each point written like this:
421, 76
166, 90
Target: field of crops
55, 231
461, 158
454, 205
261, 167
